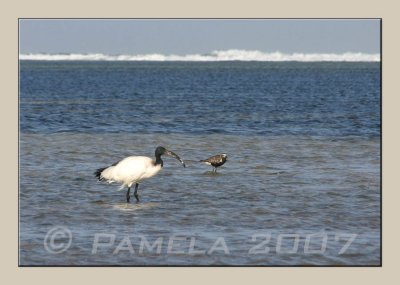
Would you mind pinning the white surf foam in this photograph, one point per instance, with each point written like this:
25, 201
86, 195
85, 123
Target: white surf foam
219, 55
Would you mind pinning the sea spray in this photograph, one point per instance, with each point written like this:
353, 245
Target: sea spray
219, 55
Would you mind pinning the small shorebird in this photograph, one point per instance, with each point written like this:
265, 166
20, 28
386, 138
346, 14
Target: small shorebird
216, 160
134, 169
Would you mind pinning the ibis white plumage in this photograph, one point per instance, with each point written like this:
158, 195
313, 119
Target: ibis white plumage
134, 169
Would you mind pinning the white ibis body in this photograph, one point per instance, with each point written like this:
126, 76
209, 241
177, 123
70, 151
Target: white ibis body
216, 160
134, 169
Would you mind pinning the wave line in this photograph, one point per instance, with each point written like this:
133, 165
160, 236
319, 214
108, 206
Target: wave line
218, 55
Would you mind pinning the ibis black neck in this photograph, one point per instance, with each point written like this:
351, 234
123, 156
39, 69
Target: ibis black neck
159, 160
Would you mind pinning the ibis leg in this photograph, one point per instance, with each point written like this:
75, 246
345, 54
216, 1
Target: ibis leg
128, 196
136, 193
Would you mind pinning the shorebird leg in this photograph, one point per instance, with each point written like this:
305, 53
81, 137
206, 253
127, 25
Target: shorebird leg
135, 193
215, 170
128, 196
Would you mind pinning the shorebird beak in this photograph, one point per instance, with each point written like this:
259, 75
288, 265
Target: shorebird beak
174, 155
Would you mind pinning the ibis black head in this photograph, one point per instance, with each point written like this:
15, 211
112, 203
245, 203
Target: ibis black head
162, 150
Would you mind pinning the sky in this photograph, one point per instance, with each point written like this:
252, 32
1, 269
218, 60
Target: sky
180, 37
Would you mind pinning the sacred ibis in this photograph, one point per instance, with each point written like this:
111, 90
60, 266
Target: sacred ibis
134, 169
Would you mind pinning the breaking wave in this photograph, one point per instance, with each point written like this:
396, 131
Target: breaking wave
226, 55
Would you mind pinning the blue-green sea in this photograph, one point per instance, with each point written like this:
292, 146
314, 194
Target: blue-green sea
301, 185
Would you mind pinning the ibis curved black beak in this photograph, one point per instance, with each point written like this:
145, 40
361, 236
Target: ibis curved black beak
174, 155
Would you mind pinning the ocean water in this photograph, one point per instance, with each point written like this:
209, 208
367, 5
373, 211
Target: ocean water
301, 185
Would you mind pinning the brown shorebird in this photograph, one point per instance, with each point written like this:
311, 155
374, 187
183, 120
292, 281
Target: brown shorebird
215, 161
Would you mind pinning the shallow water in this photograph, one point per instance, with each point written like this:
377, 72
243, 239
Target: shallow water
291, 193
275, 185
